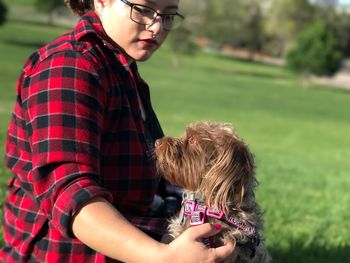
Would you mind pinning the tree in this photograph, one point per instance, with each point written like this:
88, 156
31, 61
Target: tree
181, 42
315, 51
286, 19
234, 22
339, 24
49, 7
3, 12
342, 33
222, 21
252, 31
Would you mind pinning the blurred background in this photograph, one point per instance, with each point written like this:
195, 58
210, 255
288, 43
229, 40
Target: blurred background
278, 70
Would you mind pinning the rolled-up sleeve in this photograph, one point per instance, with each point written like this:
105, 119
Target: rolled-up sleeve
64, 103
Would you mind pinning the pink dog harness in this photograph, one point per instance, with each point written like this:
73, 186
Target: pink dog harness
198, 212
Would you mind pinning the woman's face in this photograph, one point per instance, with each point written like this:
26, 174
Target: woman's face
134, 39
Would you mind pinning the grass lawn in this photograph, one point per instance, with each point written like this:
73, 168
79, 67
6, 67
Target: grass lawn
300, 135
12, 3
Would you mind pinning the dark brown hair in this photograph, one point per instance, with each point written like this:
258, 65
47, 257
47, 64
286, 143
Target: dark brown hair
80, 7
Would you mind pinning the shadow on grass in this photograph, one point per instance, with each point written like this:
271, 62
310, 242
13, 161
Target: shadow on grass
249, 73
312, 254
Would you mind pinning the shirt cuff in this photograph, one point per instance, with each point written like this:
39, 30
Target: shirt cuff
71, 200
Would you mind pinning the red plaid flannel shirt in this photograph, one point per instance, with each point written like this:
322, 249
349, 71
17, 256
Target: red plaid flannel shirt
76, 133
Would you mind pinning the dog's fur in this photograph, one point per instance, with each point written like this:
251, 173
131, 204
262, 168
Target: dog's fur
212, 162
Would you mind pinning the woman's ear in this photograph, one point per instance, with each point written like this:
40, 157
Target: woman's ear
100, 5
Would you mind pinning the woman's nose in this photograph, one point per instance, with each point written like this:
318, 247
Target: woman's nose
156, 26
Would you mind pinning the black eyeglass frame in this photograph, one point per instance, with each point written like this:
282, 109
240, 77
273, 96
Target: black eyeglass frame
156, 14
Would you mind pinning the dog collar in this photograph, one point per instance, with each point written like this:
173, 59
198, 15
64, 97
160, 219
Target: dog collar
198, 212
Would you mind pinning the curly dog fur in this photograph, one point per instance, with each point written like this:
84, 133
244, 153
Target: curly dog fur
212, 162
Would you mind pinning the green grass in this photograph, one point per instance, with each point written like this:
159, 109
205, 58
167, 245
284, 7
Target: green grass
300, 136
12, 3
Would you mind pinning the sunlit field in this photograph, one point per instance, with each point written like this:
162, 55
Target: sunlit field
299, 135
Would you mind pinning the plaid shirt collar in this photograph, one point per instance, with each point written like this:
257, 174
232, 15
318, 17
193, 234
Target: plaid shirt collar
90, 23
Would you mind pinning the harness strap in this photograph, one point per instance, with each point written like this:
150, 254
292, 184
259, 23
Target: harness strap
198, 212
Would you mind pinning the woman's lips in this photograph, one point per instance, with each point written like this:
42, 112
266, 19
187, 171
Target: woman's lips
148, 42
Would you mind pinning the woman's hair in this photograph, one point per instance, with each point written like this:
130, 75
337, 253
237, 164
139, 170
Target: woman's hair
80, 7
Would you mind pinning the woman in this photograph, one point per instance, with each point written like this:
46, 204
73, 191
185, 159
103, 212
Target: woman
78, 145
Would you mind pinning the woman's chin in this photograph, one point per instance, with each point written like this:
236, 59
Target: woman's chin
142, 55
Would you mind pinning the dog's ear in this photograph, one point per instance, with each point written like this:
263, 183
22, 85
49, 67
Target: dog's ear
225, 183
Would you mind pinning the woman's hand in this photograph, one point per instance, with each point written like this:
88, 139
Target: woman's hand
100, 226
188, 247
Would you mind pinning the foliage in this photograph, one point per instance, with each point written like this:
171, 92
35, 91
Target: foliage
49, 7
13, 3
3, 12
342, 33
339, 23
284, 22
217, 23
235, 22
300, 137
315, 52
252, 36
181, 42
271, 26
193, 11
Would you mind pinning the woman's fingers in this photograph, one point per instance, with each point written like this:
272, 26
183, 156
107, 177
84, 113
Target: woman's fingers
204, 230
188, 247
220, 253
228, 250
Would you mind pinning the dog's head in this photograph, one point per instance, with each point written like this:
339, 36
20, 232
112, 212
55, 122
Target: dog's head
208, 159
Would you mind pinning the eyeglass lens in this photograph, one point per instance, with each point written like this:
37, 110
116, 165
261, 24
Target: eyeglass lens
145, 15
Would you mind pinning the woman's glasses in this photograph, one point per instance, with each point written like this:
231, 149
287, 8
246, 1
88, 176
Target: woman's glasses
145, 15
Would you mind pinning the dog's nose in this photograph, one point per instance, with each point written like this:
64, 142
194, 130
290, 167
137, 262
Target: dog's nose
158, 142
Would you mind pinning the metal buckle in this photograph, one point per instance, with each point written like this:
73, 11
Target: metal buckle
214, 213
189, 206
197, 218
201, 207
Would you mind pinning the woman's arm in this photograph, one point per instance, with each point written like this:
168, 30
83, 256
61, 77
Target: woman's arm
100, 226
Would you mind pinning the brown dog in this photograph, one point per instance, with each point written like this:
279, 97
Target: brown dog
216, 170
